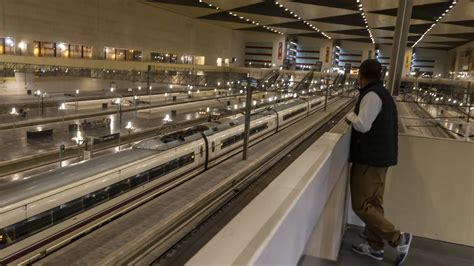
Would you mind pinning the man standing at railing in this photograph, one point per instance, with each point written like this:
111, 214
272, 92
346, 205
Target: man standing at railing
374, 148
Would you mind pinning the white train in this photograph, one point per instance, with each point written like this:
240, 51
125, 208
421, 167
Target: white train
41, 212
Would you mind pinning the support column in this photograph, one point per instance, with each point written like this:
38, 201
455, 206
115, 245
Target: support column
399, 45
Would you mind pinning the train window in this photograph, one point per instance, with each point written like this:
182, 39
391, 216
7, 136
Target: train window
21, 230
186, 159
201, 151
236, 138
32, 225
213, 146
138, 179
174, 164
294, 113
67, 210
118, 188
95, 198
258, 128
171, 166
156, 172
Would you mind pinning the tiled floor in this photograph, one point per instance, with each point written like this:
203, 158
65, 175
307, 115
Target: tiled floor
423, 252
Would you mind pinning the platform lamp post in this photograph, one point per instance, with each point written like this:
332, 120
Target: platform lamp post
129, 128
119, 101
62, 149
42, 103
208, 111
248, 107
149, 99
170, 90
75, 97
14, 113
136, 100
469, 103
167, 119
79, 140
38, 93
120, 112
62, 109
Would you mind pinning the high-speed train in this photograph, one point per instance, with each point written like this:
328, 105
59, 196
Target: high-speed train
41, 212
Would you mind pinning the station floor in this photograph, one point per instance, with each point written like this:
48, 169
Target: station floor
413, 121
34, 114
423, 252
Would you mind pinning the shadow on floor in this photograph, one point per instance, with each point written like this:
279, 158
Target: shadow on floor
423, 252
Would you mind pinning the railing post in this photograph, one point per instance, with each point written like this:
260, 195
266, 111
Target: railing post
248, 108
469, 105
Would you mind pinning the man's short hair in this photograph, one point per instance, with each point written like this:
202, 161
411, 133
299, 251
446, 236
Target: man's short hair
371, 69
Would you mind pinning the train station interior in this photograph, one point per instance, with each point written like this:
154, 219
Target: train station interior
237, 132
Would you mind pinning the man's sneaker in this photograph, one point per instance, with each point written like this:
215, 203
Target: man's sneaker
403, 248
365, 249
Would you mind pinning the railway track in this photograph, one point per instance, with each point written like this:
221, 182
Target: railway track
145, 241
50, 157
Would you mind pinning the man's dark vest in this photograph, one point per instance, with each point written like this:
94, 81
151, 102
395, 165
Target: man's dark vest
379, 146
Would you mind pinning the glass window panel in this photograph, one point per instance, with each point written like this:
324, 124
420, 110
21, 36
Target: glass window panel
32, 225
36, 48
62, 50
138, 180
47, 49
137, 56
67, 210
87, 51
120, 54
118, 188
95, 198
109, 53
8, 46
75, 51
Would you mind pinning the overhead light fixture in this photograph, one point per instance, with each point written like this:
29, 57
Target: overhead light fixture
434, 24
299, 18
361, 9
244, 18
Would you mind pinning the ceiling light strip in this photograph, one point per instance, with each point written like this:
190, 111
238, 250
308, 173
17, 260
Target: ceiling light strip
243, 18
299, 18
453, 3
361, 9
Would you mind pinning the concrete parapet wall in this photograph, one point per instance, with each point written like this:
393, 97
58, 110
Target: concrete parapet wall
430, 193
278, 224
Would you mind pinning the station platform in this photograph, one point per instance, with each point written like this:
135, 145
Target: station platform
434, 121
15, 142
87, 106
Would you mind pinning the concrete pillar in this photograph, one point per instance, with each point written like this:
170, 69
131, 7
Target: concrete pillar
405, 8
